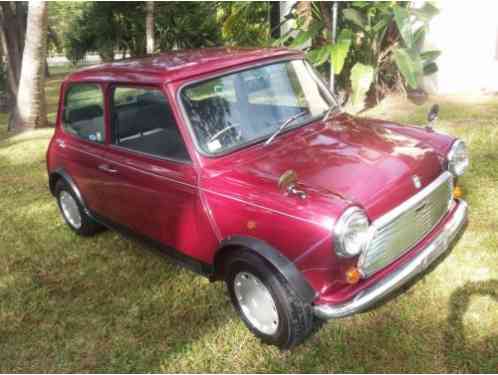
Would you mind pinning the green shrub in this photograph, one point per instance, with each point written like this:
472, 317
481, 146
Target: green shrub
386, 37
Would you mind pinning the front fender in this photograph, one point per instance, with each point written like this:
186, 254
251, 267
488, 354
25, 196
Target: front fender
281, 263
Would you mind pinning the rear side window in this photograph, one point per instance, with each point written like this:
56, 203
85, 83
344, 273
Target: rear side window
142, 121
84, 112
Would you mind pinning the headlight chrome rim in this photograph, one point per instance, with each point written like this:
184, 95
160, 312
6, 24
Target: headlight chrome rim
342, 226
457, 167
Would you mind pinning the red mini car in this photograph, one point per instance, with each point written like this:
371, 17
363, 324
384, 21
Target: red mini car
241, 165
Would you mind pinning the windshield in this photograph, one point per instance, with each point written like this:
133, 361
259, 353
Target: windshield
242, 108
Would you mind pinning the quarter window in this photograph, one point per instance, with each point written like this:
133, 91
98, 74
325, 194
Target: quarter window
84, 112
142, 121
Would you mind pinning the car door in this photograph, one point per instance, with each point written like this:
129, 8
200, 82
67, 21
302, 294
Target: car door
151, 180
81, 144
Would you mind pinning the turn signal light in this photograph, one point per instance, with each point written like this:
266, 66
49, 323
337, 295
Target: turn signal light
457, 192
353, 275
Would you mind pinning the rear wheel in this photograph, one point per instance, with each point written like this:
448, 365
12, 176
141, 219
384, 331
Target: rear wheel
265, 301
73, 212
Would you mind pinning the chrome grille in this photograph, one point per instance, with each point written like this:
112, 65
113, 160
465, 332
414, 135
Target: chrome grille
404, 226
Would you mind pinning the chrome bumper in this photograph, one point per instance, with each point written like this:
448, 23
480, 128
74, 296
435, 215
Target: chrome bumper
396, 279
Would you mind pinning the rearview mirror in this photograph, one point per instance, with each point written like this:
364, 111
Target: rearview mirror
257, 84
65, 116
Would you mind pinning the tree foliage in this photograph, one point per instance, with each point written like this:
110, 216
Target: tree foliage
108, 27
61, 19
245, 23
186, 24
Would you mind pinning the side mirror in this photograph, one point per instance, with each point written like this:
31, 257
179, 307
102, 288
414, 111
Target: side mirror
432, 116
287, 183
433, 113
288, 178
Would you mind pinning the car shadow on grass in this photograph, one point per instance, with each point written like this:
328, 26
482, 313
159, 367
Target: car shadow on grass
463, 354
168, 310
391, 340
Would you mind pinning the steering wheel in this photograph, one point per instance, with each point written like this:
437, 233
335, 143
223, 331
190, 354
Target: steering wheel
224, 130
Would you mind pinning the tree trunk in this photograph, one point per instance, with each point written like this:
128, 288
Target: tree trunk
46, 70
275, 19
304, 12
325, 11
13, 30
21, 19
30, 109
12, 77
149, 26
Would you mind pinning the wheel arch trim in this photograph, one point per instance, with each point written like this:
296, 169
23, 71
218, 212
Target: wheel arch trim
61, 173
284, 266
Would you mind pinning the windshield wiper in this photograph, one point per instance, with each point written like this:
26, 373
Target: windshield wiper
290, 120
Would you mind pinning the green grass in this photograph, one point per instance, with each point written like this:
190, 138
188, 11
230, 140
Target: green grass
107, 304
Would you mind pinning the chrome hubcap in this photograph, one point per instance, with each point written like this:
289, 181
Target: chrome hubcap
70, 209
256, 302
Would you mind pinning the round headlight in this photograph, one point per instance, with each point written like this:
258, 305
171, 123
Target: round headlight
351, 233
458, 159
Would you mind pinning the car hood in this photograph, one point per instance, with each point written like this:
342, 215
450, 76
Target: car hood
367, 162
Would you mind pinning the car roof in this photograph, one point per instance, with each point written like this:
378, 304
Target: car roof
178, 65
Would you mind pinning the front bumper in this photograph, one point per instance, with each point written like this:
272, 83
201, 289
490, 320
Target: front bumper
403, 274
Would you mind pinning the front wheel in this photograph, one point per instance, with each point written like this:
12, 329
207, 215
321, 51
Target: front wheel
265, 301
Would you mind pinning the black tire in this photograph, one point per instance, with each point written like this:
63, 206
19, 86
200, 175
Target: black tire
296, 320
88, 226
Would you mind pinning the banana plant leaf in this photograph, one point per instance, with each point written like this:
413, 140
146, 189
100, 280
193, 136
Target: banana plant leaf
409, 65
339, 50
361, 79
319, 56
429, 56
402, 19
355, 17
304, 35
426, 13
430, 68
419, 36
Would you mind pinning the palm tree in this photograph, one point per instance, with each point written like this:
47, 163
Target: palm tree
12, 35
30, 111
149, 26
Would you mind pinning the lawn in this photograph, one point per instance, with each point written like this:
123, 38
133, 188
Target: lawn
108, 304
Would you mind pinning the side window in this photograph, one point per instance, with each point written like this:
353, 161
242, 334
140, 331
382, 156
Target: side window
142, 121
84, 112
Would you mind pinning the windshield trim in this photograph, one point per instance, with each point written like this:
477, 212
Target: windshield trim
254, 141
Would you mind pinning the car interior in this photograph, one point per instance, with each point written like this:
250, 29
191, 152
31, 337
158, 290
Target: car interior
211, 116
145, 123
86, 122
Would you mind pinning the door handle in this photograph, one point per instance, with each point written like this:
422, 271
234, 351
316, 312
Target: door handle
107, 168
